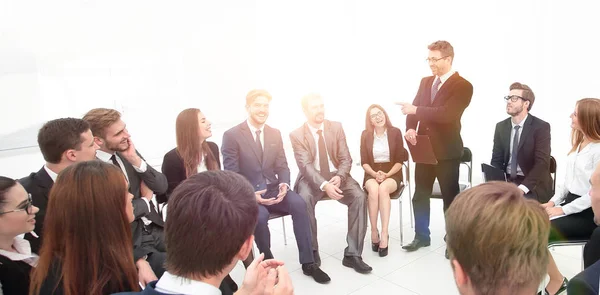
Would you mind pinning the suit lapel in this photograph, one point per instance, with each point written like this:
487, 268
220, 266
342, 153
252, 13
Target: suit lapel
429, 85
250, 141
506, 130
392, 145
310, 139
44, 181
447, 85
267, 149
369, 145
329, 139
525, 131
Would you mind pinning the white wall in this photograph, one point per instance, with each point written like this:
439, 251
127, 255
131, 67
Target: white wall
151, 59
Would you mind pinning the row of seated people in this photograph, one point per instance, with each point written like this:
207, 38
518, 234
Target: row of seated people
87, 246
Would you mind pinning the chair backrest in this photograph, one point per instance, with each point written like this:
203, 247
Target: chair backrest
553, 173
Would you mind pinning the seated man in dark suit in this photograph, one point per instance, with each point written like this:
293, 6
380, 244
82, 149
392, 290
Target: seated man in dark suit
62, 142
214, 202
522, 146
324, 161
587, 281
255, 150
496, 241
116, 147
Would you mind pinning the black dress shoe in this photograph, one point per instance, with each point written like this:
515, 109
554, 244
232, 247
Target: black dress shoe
357, 263
317, 258
311, 269
415, 245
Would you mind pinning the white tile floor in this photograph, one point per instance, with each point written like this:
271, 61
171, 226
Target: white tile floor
423, 272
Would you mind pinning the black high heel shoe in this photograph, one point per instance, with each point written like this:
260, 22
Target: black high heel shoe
384, 251
375, 246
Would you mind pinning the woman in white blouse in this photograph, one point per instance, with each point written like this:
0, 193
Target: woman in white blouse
381, 155
17, 216
571, 204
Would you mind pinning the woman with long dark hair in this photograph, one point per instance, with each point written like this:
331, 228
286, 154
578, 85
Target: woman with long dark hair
577, 221
87, 246
17, 216
381, 155
193, 153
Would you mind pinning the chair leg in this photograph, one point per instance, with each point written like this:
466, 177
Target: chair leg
401, 227
284, 235
582, 251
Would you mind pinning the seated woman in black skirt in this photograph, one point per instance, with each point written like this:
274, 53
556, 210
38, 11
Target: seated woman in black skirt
381, 155
16, 217
573, 197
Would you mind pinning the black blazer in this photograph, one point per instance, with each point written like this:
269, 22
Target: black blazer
38, 184
441, 119
241, 155
174, 170
155, 181
586, 282
14, 276
533, 155
398, 153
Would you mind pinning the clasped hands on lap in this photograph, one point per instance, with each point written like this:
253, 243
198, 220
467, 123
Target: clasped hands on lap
283, 190
332, 188
552, 210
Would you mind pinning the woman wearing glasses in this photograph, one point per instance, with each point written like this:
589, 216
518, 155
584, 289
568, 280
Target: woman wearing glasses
381, 155
572, 201
17, 216
87, 246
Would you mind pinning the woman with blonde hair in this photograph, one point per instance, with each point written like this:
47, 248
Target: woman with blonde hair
571, 204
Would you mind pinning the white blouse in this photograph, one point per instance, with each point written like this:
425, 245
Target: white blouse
381, 148
23, 252
580, 166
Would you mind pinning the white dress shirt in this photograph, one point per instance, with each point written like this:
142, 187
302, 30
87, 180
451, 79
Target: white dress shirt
105, 157
332, 168
443, 78
580, 166
381, 148
51, 173
172, 284
510, 147
262, 133
23, 252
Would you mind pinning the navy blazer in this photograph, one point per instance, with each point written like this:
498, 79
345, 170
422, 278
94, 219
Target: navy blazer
241, 155
441, 119
38, 184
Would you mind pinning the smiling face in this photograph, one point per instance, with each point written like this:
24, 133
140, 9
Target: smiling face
258, 111
315, 110
22, 219
204, 127
377, 117
116, 138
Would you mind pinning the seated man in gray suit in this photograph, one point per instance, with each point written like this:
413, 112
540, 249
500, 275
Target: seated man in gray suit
324, 161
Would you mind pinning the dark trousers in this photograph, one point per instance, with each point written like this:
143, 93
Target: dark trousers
293, 205
447, 173
591, 252
577, 226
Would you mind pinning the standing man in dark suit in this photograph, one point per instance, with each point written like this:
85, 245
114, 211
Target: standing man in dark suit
436, 112
255, 150
522, 146
324, 161
116, 147
62, 142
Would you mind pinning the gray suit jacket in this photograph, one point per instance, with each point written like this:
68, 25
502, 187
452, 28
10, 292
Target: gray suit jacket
305, 150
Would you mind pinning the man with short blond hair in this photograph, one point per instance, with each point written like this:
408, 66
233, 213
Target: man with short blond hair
497, 241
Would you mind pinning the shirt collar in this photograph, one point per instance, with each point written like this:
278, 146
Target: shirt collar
172, 284
254, 129
384, 134
314, 130
51, 173
104, 156
23, 252
520, 124
445, 76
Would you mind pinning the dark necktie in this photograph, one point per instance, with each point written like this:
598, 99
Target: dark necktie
113, 158
154, 215
434, 88
515, 151
323, 160
259, 145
